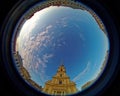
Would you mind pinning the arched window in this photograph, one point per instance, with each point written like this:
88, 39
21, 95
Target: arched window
60, 75
54, 92
60, 82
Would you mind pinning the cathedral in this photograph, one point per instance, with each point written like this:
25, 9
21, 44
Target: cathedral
60, 84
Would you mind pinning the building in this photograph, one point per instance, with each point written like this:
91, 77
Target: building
23, 71
60, 84
98, 20
88, 84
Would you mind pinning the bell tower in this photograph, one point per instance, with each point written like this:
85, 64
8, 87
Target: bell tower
60, 83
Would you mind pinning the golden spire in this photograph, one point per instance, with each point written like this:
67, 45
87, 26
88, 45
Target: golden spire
60, 84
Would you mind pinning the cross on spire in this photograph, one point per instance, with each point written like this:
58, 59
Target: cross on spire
62, 63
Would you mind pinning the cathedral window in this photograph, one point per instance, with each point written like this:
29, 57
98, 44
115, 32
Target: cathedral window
60, 75
60, 82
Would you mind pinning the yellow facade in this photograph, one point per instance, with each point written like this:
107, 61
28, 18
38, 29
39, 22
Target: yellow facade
60, 84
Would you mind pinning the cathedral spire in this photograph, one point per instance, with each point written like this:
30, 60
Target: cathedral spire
60, 84
61, 68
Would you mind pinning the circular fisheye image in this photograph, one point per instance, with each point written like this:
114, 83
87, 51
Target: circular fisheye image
60, 48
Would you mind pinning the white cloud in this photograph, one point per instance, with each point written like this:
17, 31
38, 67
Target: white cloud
82, 73
40, 68
46, 57
82, 37
59, 42
65, 25
48, 27
62, 22
64, 43
59, 45
30, 46
36, 65
28, 27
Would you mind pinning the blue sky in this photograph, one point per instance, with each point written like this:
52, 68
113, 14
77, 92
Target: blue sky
62, 34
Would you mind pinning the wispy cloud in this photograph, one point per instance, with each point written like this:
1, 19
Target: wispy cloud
28, 27
62, 22
48, 27
46, 57
59, 42
82, 37
29, 48
82, 73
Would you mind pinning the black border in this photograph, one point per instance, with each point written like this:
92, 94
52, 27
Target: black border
112, 24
